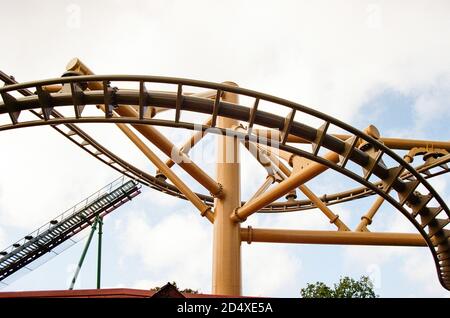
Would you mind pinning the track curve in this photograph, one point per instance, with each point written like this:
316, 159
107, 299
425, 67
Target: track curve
426, 211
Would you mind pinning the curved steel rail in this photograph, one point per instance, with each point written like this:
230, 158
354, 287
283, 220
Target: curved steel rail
424, 211
109, 158
359, 192
102, 153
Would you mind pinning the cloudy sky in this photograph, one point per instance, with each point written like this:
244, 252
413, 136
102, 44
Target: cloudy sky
365, 62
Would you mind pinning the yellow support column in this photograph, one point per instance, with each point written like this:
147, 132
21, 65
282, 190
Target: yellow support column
226, 238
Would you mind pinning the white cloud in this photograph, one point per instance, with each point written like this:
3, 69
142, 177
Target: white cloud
147, 284
415, 264
324, 54
3, 242
43, 176
419, 268
270, 270
177, 248
432, 103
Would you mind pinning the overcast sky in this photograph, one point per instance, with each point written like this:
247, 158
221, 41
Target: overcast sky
365, 62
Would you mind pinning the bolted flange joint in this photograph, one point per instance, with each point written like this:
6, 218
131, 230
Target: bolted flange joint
206, 210
368, 220
250, 234
219, 194
333, 220
236, 216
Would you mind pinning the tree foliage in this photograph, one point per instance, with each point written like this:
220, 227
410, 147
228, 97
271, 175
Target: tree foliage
346, 288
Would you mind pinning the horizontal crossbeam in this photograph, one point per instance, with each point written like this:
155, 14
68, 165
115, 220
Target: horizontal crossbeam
331, 237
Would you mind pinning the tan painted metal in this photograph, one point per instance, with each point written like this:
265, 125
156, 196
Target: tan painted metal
331, 237
285, 155
393, 143
274, 159
259, 154
77, 65
154, 136
334, 218
228, 213
269, 180
298, 163
406, 144
152, 111
227, 239
52, 88
196, 201
227, 232
191, 142
294, 181
161, 141
367, 218
197, 136
275, 134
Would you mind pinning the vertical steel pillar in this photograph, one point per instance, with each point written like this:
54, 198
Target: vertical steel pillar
226, 238
83, 254
99, 252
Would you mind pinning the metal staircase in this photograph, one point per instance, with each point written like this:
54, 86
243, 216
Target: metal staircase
48, 239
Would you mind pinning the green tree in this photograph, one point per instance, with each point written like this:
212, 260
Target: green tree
346, 288
317, 290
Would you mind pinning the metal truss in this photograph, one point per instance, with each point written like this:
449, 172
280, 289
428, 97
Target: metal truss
382, 172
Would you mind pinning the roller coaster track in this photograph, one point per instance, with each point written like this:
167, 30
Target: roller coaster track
85, 142
412, 195
95, 149
63, 228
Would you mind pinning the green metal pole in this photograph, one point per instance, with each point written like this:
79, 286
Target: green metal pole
99, 256
83, 255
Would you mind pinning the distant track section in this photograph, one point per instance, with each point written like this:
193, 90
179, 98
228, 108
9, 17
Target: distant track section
62, 229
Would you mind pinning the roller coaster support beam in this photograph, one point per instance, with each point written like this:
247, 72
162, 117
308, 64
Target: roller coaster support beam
294, 181
263, 157
393, 143
226, 237
204, 209
160, 141
154, 136
191, 142
331, 237
367, 218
